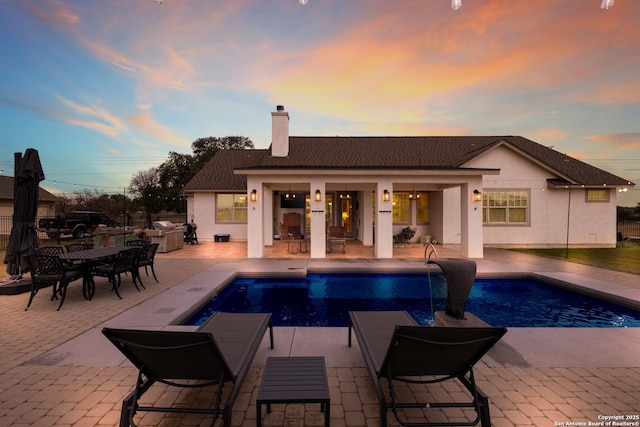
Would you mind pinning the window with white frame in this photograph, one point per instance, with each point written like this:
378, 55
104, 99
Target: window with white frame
597, 195
505, 207
231, 207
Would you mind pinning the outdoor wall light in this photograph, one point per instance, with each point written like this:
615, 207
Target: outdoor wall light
457, 4
477, 196
318, 196
606, 4
386, 196
254, 195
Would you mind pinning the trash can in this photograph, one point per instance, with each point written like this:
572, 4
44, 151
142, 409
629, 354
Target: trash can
221, 237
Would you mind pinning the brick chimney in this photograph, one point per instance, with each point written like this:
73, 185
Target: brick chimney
280, 132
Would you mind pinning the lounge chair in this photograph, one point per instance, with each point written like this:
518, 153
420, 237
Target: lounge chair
397, 350
405, 235
336, 236
220, 352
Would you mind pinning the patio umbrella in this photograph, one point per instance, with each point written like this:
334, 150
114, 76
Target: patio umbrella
23, 240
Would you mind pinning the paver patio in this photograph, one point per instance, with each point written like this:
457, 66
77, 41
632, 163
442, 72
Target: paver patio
46, 379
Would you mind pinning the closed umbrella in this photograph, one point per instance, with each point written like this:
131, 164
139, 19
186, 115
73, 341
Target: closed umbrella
23, 240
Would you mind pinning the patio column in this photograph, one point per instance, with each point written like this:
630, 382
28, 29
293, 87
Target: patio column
255, 221
367, 204
384, 220
318, 218
471, 221
267, 206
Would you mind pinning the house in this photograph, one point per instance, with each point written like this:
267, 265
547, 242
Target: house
471, 191
46, 200
46, 207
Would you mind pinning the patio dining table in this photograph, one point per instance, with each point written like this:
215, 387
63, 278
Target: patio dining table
88, 258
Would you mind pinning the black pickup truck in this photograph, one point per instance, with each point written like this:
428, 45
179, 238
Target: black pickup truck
77, 223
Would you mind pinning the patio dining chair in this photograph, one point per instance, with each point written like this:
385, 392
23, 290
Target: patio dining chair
57, 251
50, 250
336, 236
73, 247
146, 258
50, 270
124, 262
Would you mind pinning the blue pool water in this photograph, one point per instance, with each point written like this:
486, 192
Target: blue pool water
325, 300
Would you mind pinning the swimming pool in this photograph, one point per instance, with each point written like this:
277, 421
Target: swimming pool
325, 300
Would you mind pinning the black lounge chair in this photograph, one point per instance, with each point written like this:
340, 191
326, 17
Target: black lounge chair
219, 352
397, 350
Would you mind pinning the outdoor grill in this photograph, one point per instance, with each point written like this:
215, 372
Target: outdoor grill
167, 235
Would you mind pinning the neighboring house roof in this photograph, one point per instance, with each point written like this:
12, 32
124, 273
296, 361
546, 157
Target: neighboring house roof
421, 152
6, 191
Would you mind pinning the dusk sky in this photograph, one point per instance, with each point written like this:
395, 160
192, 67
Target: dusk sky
104, 89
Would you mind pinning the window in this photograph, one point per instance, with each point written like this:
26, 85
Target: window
231, 207
422, 205
505, 207
597, 195
401, 204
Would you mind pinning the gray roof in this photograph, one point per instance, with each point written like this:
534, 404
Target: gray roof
218, 174
6, 191
422, 152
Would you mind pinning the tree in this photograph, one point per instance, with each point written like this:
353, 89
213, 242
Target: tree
205, 148
146, 186
173, 175
160, 187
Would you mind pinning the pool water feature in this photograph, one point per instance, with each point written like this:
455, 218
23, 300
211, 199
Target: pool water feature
326, 299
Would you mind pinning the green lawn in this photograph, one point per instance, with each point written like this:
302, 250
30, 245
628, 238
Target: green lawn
617, 259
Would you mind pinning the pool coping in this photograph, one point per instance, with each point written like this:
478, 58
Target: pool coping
556, 347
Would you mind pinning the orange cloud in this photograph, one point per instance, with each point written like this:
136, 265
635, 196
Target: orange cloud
147, 124
99, 119
368, 74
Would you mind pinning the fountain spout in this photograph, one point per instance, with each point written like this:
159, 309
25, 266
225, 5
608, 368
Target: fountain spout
460, 274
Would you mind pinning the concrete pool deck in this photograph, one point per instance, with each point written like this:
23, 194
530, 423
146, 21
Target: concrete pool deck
57, 369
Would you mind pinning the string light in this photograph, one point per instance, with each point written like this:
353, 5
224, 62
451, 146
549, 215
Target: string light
606, 4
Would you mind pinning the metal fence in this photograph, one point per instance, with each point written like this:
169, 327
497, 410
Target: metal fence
138, 220
6, 222
630, 228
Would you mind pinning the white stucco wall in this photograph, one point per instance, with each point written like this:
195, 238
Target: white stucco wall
204, 215
590, 224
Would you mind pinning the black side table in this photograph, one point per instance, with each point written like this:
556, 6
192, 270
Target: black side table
294, 380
